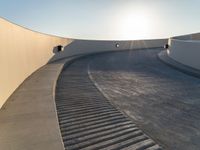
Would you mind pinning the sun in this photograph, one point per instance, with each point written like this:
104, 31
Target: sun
136, 25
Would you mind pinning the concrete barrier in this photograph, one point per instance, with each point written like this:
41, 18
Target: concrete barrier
23, 51
185, 50
93, 46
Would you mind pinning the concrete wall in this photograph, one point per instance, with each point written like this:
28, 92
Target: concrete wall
186, 50
195, 36
23, 51
92, 46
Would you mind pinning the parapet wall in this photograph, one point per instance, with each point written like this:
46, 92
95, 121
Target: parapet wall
186, 50
92, 46
195, 36
23, 51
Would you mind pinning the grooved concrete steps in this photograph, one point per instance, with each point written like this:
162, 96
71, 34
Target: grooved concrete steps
87, 119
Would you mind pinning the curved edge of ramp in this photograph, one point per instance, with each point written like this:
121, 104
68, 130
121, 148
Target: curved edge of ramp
163, 56
88, 120
28, 120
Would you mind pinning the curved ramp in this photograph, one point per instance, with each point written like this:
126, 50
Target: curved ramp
88, 120
163, 101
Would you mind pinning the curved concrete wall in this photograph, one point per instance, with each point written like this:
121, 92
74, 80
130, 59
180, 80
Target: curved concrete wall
185, 50
23, 51
94, 46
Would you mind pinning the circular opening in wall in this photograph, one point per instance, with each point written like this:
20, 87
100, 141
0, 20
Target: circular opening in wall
117, 45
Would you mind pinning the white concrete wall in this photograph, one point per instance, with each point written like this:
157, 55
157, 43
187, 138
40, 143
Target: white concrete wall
185, 50
194, 36
23, 51
92, 46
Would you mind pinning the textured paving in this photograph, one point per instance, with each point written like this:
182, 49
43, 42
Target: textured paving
88, 121
164, 102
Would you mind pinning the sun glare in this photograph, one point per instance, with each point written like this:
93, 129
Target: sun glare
135, 25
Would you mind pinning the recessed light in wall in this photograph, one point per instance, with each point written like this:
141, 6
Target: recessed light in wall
117, 45
166, 46
59, 48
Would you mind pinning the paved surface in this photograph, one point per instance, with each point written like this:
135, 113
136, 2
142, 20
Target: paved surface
88, 120
28, 120
164, 102
142, 102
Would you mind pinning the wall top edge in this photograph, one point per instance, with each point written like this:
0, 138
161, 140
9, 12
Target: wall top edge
8, 21
115, 40
186, 37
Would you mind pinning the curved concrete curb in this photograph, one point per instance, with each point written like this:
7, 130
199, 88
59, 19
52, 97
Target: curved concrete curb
163, 56
29, 118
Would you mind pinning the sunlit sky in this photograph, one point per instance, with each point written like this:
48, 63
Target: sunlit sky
105, 19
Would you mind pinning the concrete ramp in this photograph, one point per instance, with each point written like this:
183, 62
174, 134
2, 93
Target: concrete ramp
161, 100
88, 120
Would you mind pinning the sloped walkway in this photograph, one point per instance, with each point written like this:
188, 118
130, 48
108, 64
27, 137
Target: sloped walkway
88, 120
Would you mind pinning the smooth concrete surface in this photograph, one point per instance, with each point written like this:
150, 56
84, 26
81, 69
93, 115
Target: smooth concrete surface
194, 37
163, 101
163, 56
94, 46
185, 50
28, 120
88, 121
21, 53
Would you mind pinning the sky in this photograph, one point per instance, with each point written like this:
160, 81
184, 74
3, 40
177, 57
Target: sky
105, 19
